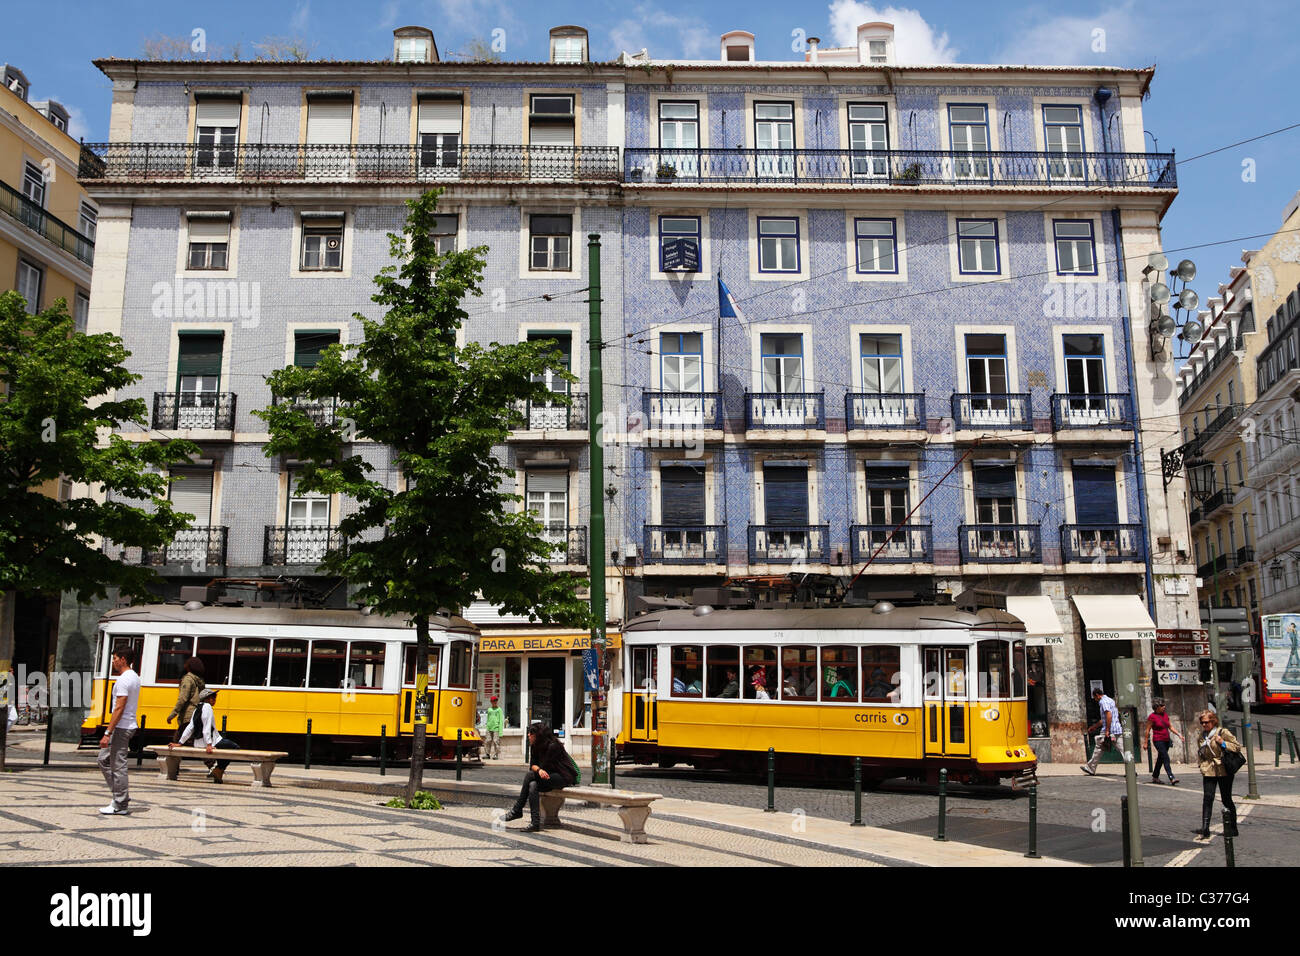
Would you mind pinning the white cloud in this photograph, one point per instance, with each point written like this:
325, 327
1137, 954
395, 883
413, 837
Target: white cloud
1115, 35
300, 17
915, 41
664, 35
388, 18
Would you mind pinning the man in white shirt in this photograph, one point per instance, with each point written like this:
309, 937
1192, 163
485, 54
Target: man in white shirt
1111, 730
121, 728
203, 727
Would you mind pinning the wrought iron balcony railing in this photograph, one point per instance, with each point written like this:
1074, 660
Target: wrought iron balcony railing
357, 162
1102, 542
1216, 565
793, 544
1000, 544
1092, 410
684, 410
1195, 516
283, 545
176, 410
196, 549
865, 410
555, 415
910, 543
322, 411
1220, 422
1224, 496
899, 167
572, 544
991, 410
18, 207
1245, 556
685, 544
792, 410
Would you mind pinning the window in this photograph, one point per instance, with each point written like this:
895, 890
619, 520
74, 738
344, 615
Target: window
840, 673
551, 121
30, 279
778, 245
567, 50
1085, 378
443, 233
994, 492
550, 239
1075, 249
252, 657
782, 362
876, 51
547, 493
968, 131
209, 242
681, 361
412, 50
759, 670
438, 127
722, 675
34, 183
81, 311
682, 505
460, 658
773, 132
869, 133
173, 652
214, 652
881, 680
977, 247
887, 494
686, 671
308, 345
198, 378
433, 663
798, 673
994, 677
328, 660
882, 363
88, 221
679, 243
1241, 473
322, 245
1063, 133
986, 366
216, 132
679, 127
877, 245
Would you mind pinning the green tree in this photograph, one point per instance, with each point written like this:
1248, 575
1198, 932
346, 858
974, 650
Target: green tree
454, 533
54, 406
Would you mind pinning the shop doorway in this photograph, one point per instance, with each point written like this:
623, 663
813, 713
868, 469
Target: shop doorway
1097, 671
546, 692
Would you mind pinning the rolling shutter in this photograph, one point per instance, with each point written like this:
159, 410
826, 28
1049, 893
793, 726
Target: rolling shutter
191, 494
199, 354
882, 474
1095, 501
550, 134
439, 116
217, 111
329, 120
307, 346
995, 480
785, 493
209, 230
556, 482
682, 495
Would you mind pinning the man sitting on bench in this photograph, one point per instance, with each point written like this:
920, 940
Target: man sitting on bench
204, 725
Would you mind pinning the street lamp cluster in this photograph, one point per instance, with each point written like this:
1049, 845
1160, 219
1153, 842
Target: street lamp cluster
1177, 296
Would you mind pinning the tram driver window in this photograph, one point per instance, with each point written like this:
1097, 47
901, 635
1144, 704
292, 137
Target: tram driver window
798, 673
881, 681
723, 674
289, 664
327, 662
840, 673
994, 676
461, 672
1018, 669
687, 674
759, 670
173, 652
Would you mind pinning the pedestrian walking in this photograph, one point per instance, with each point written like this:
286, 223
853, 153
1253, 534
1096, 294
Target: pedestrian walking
187, 696
121, 728
203, 728
1109, 724
493, 726
1217, 770
551, 769
1159, 727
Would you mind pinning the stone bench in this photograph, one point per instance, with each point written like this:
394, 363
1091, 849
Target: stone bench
633, 808
262, 762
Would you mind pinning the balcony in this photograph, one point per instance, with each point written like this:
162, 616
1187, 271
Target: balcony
991, 410
193, 549
555, 415
298, 163
1218, 423
910, 543
1092, 410
1245, 556
870, 410
785, 410
1102, 543
683, 410
571, 542
21, 209
689, 544
173, 411
1220, 564
1224, 496
296, 545
788, 544
885, 168
1000, 544
1195, 516
322, 411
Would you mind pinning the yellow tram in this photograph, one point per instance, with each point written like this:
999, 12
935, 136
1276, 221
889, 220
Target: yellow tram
909, 690
352, 674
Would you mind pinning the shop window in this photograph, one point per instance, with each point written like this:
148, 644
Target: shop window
798, 673
840, 673
723, 673
1036, 678
686, 661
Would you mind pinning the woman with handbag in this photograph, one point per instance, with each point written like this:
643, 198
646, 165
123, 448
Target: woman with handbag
1220, 756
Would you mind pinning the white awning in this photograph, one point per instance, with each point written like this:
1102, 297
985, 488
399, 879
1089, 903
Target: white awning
1042, 626
1115, 617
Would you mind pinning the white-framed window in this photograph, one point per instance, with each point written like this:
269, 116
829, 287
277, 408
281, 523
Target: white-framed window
1063, 134
882, 363
877, 51
868, 134
322, 245
679, 138
30, 279
782, 362
412, 50
773, 131
34, 183
778, 245
438, 126
567, 50
550, 242
977, 247
445, 229
88, 221
209, 243
216, 131
986, 368
1076, 247
968, 132
81, 311
877, 245
551, 120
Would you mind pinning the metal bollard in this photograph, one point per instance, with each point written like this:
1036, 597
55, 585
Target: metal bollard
139, 754
458, 740
1260, 728
306, 758
1290, 739
223, 723
383, 750
1277, 749
49, 730
1033, 824
943, 807
613, 763
771, 780
1123, 818
857, 793
1227, 843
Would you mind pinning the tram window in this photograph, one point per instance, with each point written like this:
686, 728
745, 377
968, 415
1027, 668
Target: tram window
327, 660
214, 652
1018, 669
880, 676
760, 664
133, 641
173, 652
722, 672
366, 665
994, 681
687, 679
839, 673
408, 672
251, 655
460, 673
289, 664
798, 673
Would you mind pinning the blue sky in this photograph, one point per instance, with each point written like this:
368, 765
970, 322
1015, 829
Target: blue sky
1223, 72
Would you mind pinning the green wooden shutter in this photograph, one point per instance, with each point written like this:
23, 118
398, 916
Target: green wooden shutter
200, 354
308, 345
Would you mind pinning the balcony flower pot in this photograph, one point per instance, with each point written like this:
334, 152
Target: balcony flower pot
910, 176
666, 173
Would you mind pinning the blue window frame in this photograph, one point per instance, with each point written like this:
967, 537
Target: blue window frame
778, 245
1063, 134
681, 361
877, 245
968, 136
1076, 247
977, 247
782, 358
679, 227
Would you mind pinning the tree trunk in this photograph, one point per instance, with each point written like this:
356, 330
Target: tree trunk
8, 689
416, 778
